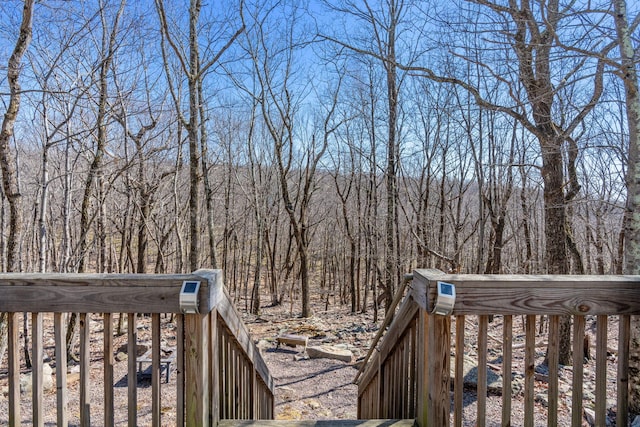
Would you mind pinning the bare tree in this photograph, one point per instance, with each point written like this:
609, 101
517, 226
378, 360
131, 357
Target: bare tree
386, 39
10, 183
194, 68
383, 21
258, 202
347, 186
629, 75
532, 35
496, 195
145, 183
273, 67
95, 175
60, 99
7, 158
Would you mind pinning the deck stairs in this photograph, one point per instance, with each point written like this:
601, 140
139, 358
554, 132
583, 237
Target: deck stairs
317, 423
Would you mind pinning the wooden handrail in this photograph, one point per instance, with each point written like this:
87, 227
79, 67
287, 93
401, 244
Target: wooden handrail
533, 294
103, 293
198, 337
387, 320
227, 310
409, 376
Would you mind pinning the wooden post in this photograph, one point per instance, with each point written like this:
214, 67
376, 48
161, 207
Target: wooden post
458, 397
481, 390
155, 370
433, 370
132, 372
61, 369
109, 416
180, 370
196, 361
601, 370
380, 392
201, 342
15, 417
578, 370
529, 369
36, 369
85, 359
624, 336
214, 354
553, 356
507, 352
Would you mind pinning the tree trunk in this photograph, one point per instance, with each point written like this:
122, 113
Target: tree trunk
7, 162
143, 240
257, 272
109, 47
391, 223
632, 223
65, 250
192, 133
524, 205
44, 197
194, 71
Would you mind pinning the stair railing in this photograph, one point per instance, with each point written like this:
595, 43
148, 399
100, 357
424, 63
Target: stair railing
423, 355
218, 370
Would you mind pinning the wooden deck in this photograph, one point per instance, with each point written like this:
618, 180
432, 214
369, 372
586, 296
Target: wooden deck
410, 373
406, 377
317, 423
219, 371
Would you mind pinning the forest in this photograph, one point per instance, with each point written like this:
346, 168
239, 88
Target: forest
314, 147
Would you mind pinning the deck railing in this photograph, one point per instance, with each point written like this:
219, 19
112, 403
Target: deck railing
409, 374
219, 372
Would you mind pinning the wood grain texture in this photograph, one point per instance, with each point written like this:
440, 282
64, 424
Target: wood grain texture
132, 373
507, 353
61, 369
458, 387
104, 293
422, 412
155, 370
529, 369
482, 295
214, 349
419, 287
413, 369
406, 314
439, 361
211, 290
108, 364
36, 372
180, 370
233, 321
553, 353
624, 337
578, 371
317, 423
14, 370
197, 375
601, 370
85, 380
434, 370
369, 379
483, 326
532, 294
198, 386
392, 366
387, 320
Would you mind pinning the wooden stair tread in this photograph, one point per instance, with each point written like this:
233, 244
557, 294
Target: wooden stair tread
317, 423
